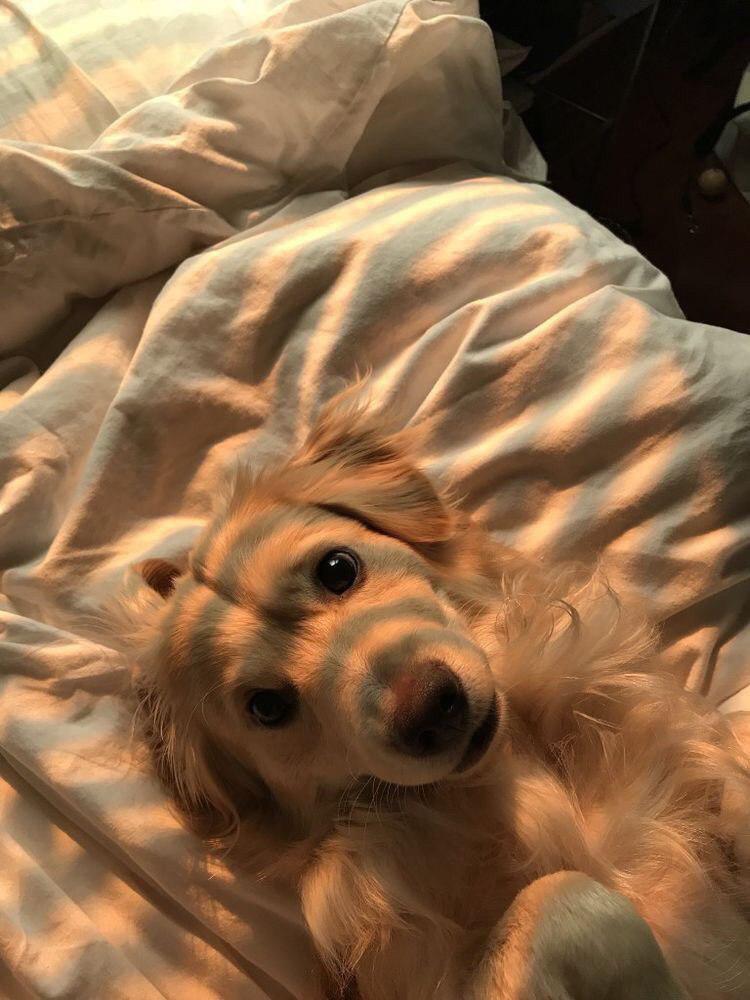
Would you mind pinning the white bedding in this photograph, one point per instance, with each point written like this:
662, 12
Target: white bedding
69, 68
321, 193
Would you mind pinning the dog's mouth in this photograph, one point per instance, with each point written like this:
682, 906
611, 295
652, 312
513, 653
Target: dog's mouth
480, 741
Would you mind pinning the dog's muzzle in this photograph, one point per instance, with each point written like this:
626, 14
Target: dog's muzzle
430, 715
429, 712
481, 738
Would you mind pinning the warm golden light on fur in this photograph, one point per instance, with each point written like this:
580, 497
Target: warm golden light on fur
591, 842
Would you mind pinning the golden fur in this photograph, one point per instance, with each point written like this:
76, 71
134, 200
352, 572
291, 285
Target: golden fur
607, 815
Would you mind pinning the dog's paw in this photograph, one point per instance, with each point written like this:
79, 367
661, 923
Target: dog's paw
567, 937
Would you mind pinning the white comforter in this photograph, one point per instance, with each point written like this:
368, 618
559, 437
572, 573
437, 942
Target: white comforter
322, 193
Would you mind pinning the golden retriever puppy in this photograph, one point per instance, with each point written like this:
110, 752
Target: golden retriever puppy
470, 767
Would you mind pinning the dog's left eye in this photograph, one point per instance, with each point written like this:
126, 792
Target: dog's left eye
338, 571
271, 708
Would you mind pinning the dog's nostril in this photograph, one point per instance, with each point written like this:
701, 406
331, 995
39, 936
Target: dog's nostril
430, 709
428, 740
450, 700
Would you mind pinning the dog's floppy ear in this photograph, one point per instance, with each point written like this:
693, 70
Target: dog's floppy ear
208, 785
159, 574
373, 474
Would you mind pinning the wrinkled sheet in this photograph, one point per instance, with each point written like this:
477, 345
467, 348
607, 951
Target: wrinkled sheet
69, 68
322, 193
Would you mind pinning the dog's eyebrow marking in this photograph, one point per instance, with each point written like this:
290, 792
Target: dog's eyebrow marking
339, 510
435, 552
270, 610
242, 531
247, 601
408, 554
202, 577
284, 531
267, 524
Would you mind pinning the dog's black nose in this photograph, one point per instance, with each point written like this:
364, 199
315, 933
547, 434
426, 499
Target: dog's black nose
429, 709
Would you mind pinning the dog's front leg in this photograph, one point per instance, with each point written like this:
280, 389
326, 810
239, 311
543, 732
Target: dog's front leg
566, 937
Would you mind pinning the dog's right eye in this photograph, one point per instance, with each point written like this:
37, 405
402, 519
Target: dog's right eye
271, 708
338, 571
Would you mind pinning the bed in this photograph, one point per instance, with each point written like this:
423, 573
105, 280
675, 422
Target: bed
208, 223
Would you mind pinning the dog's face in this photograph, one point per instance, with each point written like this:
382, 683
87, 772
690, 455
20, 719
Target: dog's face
316, 637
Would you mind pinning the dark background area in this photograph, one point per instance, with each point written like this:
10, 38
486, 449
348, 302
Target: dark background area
621, 121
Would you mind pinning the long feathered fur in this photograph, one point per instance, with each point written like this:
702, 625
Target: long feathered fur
612, 770
606, 767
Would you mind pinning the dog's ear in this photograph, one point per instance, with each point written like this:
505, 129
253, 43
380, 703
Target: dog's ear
207, 785
373, 474
159, 574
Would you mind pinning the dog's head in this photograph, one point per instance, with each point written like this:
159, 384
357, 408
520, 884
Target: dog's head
320, 632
